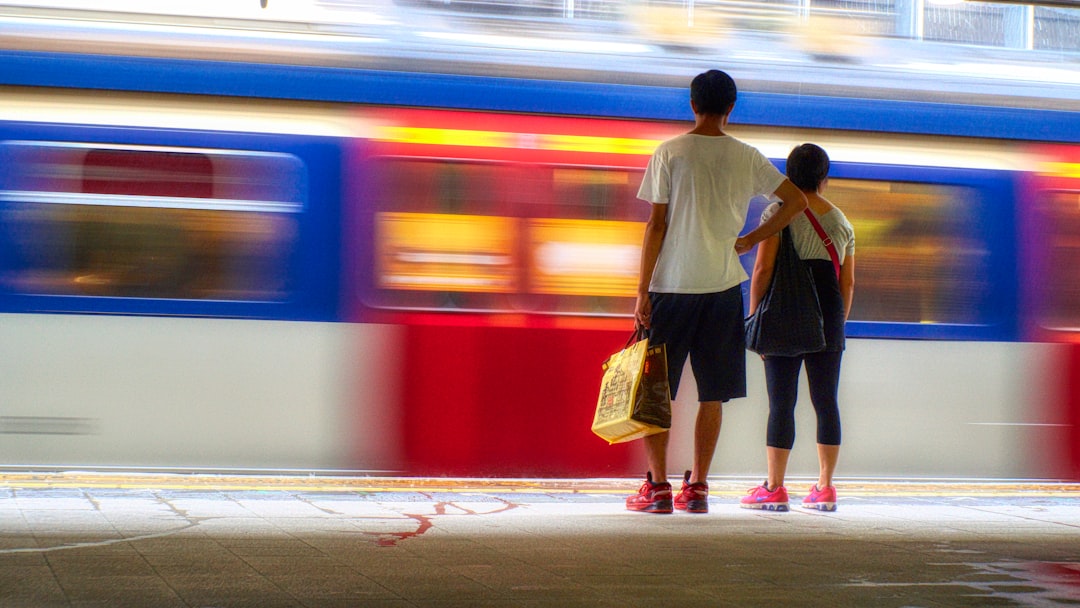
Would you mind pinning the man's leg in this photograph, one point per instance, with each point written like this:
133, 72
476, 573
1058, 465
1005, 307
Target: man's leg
655, 495
656, 451
706, 433
672, 326
718, 358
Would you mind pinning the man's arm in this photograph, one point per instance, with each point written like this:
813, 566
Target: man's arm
794, 204
655, 231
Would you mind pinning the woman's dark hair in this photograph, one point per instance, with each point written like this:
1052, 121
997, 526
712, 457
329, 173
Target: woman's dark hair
807, 167
713, 92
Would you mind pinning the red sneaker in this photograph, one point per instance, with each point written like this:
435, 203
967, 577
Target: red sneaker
694, 497
822, 500
651, 498
762, 498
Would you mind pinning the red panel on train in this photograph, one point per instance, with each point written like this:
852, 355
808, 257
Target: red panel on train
489, 401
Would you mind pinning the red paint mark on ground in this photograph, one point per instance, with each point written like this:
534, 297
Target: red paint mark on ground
425, 523
391, 539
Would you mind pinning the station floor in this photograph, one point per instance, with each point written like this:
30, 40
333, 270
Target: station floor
164, 540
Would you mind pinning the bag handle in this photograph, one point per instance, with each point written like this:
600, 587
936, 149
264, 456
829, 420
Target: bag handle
640, 333
826, 240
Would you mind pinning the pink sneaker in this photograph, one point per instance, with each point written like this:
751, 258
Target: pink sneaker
694, 497
762, 498
651, 498
822, 500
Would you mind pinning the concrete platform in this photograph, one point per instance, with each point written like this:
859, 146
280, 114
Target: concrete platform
80, 539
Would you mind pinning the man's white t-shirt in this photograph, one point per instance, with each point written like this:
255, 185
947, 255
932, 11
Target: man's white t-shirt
707, 183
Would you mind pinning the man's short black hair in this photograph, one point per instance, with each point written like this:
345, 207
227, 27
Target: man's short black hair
807, 167
713, 92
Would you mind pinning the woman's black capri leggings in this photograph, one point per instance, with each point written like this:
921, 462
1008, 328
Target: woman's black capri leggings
782, 378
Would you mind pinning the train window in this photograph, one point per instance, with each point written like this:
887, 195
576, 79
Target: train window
585, 241
596, 193
918, 259
456, 235
1060, 284
445, 234
149, 222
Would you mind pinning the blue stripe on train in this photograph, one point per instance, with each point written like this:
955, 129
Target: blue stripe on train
169, 75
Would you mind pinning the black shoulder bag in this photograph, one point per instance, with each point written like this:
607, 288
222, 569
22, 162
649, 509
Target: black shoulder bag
787, 322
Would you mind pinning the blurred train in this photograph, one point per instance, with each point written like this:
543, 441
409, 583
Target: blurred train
219, 266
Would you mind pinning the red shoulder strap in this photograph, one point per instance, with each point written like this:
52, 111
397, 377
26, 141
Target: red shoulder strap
826, 240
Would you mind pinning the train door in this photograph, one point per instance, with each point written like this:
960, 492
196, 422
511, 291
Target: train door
507, 248
1052, 275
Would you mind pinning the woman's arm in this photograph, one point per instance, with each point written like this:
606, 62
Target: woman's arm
847, 283
763, 270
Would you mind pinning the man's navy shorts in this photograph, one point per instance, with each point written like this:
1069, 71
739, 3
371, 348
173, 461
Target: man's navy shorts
707, 327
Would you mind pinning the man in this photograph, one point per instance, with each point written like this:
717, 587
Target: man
689, 295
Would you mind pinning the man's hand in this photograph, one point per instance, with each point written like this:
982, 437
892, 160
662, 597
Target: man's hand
743, 245
643, 311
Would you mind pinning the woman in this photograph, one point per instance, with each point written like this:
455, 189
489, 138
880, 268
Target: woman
808, 169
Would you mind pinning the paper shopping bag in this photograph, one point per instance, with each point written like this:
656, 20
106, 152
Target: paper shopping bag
634, 398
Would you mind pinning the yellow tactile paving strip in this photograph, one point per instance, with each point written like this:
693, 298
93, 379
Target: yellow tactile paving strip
311, 483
